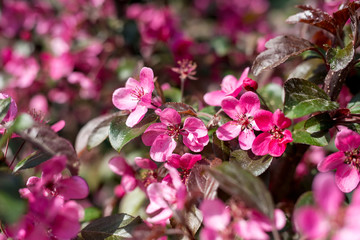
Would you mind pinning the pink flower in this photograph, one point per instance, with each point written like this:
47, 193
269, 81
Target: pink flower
52, 183
346, 161
186, 161
230, 86
242, 112
162, 136
165, 196
274, 139
119, 166
315, 222
135, 96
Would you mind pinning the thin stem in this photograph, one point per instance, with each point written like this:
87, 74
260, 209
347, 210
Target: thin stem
16, 154
182, 79
3, 230
262, 100
6, 147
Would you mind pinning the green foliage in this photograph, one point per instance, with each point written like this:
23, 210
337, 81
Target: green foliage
301, 135
339, 58
272, 94
250, 162
354, 104
307, 198
4, 107
303, 97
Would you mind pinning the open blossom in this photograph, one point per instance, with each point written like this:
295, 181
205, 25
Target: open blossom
135, 96
329, 218
186, 161
275, 137
346, 161
162, 136
243, 125
119, 166
230, 86
165, 196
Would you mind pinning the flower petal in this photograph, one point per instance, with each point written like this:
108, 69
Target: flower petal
123, 100
331, 162
170, 117
147, 79
229, 86
228, 131
249, 103
261, 144
136, 116
326, 193
214, 98
215, 214
276, 148
280, 120
73, 188
162, 147
347, 140
311, 223
232, 107
145, 163
243, 76
346, 178
152, 132
195, 126
246, 139
264, 120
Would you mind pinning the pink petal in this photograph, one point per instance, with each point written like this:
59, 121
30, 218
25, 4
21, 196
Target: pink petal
280, 120
147, 79
326, 193
280, 219
311, 223
145, 163
331, 162
162, 147
132, 84
276, 148
73, 188
129, 182
194, 143
228, 131
229, 86
136, 116
119, 166
215, 214
174, 160
188, 160
170, 117
264, 120
54, 165
347, 140
209, 234
250, 230
214, 98
243, 76
152, 132
261, 144
232, 107
178, 185
66, 224
249, 103
123, 100
56, 127
195, 126
346, 178
246, 139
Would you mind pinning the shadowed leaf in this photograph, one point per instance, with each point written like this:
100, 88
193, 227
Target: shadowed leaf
201, 182
250, 162
339, 58
307, 198
31, 161
320, 123
300, 135
278, 50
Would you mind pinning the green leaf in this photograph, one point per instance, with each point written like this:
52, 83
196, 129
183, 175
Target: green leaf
313, 70
307, 198
303, 97
21, 123
4, 107
250, 162
91, 213
272, 94
300, 135
354, 104
240, 183
118, 226
172, 95
32, 160
120, 134
12, 206
319, 124
338, 58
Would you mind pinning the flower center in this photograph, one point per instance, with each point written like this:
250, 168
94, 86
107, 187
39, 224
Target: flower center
245, 122
173, 131
353, 158
276, 133
137, 93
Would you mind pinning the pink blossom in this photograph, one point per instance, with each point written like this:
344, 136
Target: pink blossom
186, 161
346, 161
314, 222
243, 125
58, 66
119, 166
274, 138
162, 136
165, 197
39, 103
230, 86
52, 183
145, 163
135, 96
